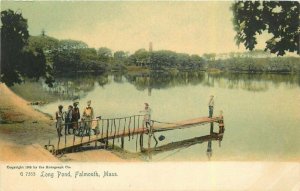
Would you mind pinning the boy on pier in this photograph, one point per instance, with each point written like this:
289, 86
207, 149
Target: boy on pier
211, 104
59, 116
88, 116
147, 116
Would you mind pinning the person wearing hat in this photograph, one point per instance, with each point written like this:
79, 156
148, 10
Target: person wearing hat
88, 116
75, 116
147, 115
211, 105
59, 120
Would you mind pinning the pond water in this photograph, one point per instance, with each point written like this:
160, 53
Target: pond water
261, 112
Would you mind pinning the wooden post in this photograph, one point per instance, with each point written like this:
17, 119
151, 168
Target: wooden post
129, 128
141, 141
149, 145
58, 145
122, 142
82, 129
149, 137
119, 130
97, 131
65, 136
211, 127
102, 126
137, 135
113, 146
73, 141
149, 141
133, 127
106, 142
221, 122
122, 138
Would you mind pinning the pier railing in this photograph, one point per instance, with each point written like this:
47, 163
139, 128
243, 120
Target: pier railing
100, 129
117, 129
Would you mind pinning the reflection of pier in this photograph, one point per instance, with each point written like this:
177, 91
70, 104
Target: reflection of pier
187, 143
119, 128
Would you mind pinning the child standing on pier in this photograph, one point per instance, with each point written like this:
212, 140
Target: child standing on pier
211, 105
59, 116
88, 115
147, 115
68, 120
75, 117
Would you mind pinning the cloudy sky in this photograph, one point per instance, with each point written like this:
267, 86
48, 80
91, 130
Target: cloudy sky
190, 27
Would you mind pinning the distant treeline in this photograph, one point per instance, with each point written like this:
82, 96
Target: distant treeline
250, 64
69, 56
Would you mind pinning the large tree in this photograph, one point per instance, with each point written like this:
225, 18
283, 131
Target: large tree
14, 36
17, 60
278, 18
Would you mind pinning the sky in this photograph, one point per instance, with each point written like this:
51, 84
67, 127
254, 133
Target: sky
188, 27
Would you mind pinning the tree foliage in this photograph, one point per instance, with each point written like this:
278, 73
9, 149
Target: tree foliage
246, 64
14, 36
71, 44
17, 61
278, 18
105, 54
165, 59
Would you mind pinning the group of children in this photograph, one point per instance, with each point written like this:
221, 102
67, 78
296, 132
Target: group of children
70, 119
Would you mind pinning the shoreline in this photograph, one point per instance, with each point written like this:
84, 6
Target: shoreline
24, 131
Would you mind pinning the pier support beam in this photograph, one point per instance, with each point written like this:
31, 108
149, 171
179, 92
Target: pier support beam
141, 142
122, 142
211, 128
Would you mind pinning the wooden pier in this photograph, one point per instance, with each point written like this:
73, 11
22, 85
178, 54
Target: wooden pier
119, 128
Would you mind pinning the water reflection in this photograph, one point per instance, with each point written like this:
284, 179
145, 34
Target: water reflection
184, 144
177, 146
249, 82
70, 88
252, 82
164, 80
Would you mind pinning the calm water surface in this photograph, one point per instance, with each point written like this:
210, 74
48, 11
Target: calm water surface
261, 112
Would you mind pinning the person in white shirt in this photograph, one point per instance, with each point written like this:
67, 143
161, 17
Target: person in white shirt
147, 116
88, 116
211, 105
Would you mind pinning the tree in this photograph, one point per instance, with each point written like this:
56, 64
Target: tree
120, 55
71, 44
46, 43
14, 36
120, 58
140, 57
17, 59
209, 56
105, 54
163, 58
196, 61
34, 64
278, 18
